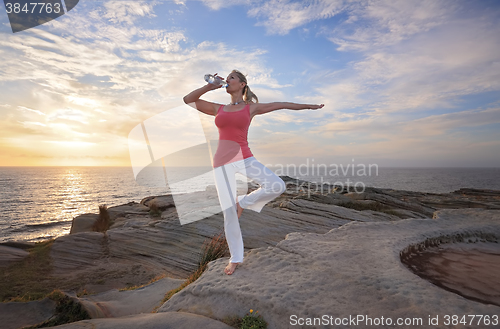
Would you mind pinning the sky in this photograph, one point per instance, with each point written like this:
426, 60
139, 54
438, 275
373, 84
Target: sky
404, 83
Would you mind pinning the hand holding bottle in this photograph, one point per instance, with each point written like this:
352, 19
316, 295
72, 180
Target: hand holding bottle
215, 80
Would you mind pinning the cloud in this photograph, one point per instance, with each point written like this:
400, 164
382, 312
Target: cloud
399, 128
219, 4
70, 114
281, 16
126, 12
404, 60
440, 124
382, 21
22, 108
385, 22
96, 76
432, 65
33, 123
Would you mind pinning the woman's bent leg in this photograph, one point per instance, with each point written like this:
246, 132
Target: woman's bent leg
271, 185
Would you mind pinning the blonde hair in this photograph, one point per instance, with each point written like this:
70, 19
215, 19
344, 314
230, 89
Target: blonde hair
248, 95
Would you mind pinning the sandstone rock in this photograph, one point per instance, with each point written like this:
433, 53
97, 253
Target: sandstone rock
19, 244
84, 261
8, 255
167, 246
394, 200
132, 208
115, 303
162, 245
18, 315
478, 192
171, 320
138, 246
325, 210
77, 250
163, 202
461, 199
83, 223
352, 270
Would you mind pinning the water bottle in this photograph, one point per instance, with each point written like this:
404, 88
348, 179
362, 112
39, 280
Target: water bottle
215, 80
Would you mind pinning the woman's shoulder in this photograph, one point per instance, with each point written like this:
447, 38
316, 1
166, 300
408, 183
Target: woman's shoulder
251, 107
219, 107
255, 107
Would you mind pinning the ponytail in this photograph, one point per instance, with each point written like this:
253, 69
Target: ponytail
248, 95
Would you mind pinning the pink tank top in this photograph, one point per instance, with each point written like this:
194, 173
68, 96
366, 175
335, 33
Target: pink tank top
233, 132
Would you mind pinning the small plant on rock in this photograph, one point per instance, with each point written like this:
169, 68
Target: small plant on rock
103, 222
252, 320
67, 311
154, 210
212, 249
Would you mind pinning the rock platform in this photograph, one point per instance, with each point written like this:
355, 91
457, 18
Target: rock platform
308, 254
354, 270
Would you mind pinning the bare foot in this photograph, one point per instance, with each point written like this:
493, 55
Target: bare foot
239, 209
230, 268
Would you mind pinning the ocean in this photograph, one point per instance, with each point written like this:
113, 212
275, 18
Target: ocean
39, 203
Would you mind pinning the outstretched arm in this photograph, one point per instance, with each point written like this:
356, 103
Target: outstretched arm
262, 108
201, 105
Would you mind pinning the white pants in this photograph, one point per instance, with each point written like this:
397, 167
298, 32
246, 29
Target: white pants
271, 186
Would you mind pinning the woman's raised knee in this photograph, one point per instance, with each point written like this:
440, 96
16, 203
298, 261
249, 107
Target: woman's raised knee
278, 186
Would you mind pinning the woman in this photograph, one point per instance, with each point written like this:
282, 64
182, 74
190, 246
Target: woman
234, 156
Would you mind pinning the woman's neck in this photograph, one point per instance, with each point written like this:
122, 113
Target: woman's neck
236, 99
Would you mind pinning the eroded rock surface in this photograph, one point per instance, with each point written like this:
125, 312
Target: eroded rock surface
335, 260
115, 303
174, 320
142, 246
8, 255
163, 245
351, 270
17, 315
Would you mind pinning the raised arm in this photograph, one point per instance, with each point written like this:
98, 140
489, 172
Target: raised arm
261, 108
193, 99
